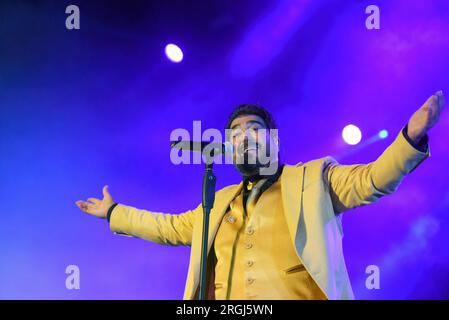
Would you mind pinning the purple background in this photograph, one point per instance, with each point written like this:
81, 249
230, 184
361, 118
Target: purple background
95, 106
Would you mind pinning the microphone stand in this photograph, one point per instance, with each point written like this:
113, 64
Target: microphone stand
208, 198
209, 180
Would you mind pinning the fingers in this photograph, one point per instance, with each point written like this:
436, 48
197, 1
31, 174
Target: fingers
428, 104
95, 206
94, 200
433, 105
440, 98
84, 206
106, 191
80, 204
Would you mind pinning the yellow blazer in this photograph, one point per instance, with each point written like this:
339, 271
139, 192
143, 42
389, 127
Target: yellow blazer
313, 195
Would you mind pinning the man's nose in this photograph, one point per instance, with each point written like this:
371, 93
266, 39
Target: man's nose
246, 138
249, 142
241, 143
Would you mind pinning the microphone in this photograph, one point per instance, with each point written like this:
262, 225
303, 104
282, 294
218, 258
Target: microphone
214, 148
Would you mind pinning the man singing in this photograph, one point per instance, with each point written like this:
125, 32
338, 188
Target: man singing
277, 235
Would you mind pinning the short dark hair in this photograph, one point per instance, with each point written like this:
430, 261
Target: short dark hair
252, 109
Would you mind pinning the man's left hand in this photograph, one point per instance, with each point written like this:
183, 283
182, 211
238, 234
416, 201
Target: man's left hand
425, 117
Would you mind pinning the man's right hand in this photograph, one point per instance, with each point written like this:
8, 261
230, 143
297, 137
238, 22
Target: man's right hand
96, 207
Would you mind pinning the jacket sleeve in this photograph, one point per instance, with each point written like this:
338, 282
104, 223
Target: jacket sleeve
162, 228
351, 186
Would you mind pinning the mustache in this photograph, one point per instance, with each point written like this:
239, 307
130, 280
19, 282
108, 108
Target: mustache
244, 146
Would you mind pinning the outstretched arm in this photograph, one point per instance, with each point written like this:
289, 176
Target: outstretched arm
356, 185
163, 228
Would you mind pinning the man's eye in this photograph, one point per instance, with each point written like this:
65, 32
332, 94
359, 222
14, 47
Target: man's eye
254, 129
236, 134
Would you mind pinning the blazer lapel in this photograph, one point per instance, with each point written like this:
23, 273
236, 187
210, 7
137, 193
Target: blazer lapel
220, 207
291, 189
219, 210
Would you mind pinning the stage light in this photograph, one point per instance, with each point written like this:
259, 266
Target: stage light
383, 134
351, 134
173, 53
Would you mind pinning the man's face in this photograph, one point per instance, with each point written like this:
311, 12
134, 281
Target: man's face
254, 144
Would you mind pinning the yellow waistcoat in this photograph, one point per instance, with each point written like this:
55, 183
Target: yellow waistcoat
255, 257
313, 196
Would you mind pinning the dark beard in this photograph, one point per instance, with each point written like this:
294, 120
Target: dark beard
248, 169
